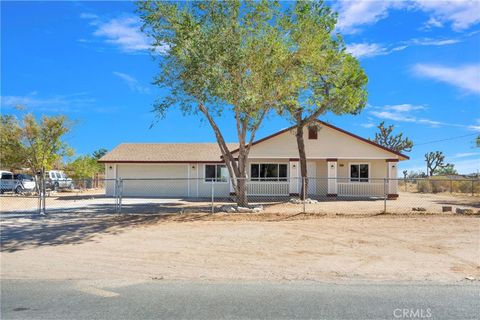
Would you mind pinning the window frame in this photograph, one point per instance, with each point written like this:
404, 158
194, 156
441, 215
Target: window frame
278, 179
359, 179
214, 180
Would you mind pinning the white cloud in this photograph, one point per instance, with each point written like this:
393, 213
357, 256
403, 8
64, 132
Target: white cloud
131, 82
433, 22
368, 125
406, 113
365, 50
353, 14
404, 107
466, 77
123, 32
461, 14
56, 103
434, 42
465, 155
466, 166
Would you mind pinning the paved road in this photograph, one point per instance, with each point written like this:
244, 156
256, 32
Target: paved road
292, 300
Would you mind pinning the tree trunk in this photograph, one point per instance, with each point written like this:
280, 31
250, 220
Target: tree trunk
303, 160
242, 199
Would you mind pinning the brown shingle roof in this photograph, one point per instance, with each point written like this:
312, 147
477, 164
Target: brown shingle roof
166, 152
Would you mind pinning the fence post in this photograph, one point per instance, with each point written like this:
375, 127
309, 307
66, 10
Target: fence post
385, 195
304, 195
473, 188
451, 185
121, 195
213, 210
116, 195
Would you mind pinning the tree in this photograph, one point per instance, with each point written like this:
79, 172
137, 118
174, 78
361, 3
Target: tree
445, 170
43, 145
83, 167
97, 154
416, 175
395, 142
221, 55
434, 161
321, 76
12, 151
405, 174
478, 141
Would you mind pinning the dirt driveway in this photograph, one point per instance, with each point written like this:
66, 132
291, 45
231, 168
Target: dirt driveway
241, 247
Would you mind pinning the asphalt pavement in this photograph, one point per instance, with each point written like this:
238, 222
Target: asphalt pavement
159, 299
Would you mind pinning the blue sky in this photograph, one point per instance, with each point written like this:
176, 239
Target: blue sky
88, 60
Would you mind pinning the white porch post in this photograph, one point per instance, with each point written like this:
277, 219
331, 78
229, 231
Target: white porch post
332, 175
294, 182
392, 176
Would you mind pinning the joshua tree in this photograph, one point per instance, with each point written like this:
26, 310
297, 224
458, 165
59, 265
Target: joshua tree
434, 160
395, 142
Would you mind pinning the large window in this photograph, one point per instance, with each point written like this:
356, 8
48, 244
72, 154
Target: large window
268, 172
216, 172
359, 172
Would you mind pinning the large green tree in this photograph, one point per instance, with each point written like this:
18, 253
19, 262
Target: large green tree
12, 151
44, 145
221, 55
321, 76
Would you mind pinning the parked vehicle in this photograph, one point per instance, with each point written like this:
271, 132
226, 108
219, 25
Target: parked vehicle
24, 183
56, 180
7, 183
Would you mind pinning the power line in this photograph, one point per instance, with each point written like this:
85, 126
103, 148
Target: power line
452, 138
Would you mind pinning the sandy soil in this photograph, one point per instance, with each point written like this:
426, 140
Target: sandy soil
242, 247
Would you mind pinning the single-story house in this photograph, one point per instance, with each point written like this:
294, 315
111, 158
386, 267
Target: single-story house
339, 163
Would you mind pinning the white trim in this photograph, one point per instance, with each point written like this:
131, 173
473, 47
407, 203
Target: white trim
350, 172
188, 177
205, 173
198, 169
323, 158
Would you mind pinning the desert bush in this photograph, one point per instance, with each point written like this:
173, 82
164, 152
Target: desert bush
424, 186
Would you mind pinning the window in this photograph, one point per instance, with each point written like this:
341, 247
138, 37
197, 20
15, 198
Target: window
312, 133
216, 173
359, 172
7, 176
268, 172
58, 175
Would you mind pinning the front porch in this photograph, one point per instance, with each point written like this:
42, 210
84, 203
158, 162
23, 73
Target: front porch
357, 178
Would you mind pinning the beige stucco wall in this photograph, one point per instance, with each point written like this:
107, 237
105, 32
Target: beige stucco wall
330, 144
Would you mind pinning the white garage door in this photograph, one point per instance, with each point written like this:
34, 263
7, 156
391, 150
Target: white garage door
165, 186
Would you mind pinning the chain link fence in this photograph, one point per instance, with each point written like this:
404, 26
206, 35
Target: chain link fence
317, 195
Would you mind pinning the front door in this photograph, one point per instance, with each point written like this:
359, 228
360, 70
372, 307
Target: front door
312, 175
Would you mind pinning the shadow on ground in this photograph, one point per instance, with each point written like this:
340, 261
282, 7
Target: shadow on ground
72, 226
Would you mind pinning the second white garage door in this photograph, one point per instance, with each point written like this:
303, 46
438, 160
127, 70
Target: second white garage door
174, 186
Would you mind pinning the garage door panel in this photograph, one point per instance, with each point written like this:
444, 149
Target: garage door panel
162, 187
